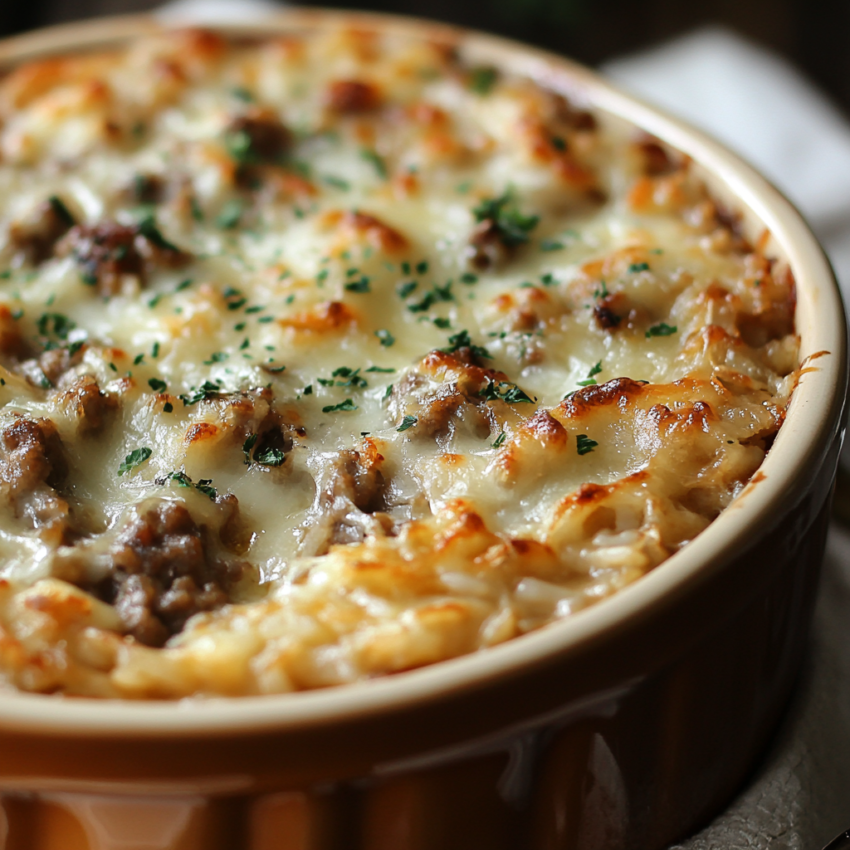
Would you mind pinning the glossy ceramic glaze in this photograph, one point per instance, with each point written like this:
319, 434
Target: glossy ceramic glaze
625, 726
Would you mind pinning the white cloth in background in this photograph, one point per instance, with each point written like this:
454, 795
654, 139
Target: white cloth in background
799, 797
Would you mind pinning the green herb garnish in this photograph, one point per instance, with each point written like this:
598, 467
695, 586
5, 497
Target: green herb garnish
134, 459
348, 404
661, 329
584, 444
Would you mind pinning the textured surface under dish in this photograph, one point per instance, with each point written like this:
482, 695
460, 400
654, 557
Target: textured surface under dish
336, 356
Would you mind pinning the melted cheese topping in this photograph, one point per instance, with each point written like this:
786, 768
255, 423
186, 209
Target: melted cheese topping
328, 358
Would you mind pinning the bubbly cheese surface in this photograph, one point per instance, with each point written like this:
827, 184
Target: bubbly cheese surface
329, 357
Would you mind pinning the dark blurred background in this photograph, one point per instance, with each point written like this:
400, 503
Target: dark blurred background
814, 34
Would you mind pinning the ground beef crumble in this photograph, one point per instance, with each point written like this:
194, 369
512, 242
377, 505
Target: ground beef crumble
162, 573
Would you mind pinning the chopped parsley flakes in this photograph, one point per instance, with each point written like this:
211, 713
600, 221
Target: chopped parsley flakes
462, 340
511, 225
584, 444
348, 404
134, 459
661, 329
385, 337
504, 391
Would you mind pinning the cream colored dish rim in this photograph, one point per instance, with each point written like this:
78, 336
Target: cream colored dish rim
810, 426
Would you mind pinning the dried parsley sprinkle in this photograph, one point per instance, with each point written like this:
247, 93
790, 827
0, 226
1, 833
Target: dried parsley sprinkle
511, 225
387, 392
462, 340
148, 228
153, 301
380, 369
405, 268
385, 337
482, 79
245, 343
270, 457
499, 440
422, 267
661, 329
308, 390
551, 245
207, 390
361, 285
376, 161
336, 182
239, 327
57, 205
639, 267
57, 324
289, 299
591, 380
168, 407
548, 279
241, 93
348, 404
255, 309
407, 422
249, 444
322, 276
138, 359
157, 385
601, 291
184, 284
584, 444
134, 459
204, 485
406, 288
504, 391
469, 277
216, 357
230, 214
264, 320
442, 323
155, 350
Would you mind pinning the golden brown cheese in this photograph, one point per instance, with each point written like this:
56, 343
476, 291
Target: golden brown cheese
327, 358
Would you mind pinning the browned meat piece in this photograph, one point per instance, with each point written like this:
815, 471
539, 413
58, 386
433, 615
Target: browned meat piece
53, 363
90, 405
353, 97
147, 189
11, 340
605, 317
360, 483
32, 455
108, 252
161, 574
258, 137
488, 247
35, 238
32, 463
349, 501
656, 159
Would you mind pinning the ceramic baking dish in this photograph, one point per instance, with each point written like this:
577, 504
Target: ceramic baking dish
627, 725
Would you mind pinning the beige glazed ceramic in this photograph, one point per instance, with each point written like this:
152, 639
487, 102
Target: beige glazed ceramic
626, 726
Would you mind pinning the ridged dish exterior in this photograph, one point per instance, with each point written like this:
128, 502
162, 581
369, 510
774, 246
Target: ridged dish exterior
627, 739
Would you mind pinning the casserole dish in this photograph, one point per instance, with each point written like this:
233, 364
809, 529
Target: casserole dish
623, 726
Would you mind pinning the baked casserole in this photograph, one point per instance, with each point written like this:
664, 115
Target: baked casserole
330, 357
